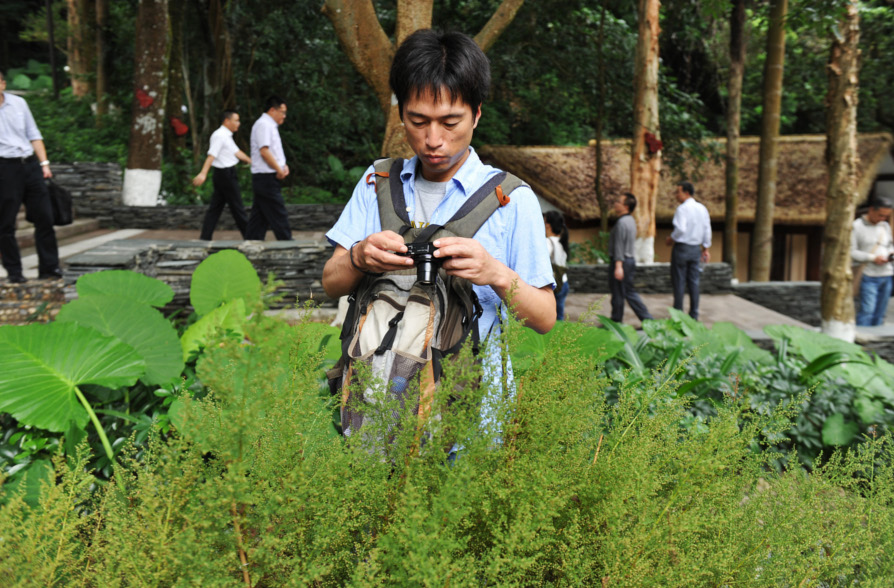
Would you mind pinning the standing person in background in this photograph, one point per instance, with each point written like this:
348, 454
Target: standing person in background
223, 155
268, 167
622, 264
24, 169
691, 240
871, 246
557, 243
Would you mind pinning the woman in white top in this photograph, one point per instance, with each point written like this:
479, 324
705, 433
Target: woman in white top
557, 243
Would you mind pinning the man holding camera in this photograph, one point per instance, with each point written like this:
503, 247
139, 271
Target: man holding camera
871, 246
440, 81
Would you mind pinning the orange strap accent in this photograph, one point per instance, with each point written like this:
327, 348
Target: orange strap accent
380, 174
504, 199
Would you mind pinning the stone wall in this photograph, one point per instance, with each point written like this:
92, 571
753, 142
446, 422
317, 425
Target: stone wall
96, 190
651, 278
799, 300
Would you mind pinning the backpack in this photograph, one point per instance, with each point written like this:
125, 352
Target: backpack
401, 328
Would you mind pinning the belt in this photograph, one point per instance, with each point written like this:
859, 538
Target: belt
25, 159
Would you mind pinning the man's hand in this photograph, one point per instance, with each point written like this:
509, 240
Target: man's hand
619, 272
467, 258
669, 242
706, 255
199, 179
282, 173
880, 260
378, 253
47, 172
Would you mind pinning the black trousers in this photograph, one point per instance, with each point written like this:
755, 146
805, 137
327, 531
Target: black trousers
622, 290
226, 193
685, 275
268, 210
23, 182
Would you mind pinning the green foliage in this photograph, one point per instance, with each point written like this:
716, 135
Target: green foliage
593, 250
221, 277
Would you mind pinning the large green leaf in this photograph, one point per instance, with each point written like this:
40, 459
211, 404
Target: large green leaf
126, 284
230, 317
576, 339
627, 335
29, 481
141, 327
40, 365
223, 276
837, 431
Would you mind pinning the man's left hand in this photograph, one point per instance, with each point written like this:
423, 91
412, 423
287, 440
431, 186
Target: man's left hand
47, 173
706, 256
467, 258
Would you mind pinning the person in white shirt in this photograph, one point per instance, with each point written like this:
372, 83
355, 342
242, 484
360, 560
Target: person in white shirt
871, 246
24, 170
557, 244
268, 167
223, 155
691, 241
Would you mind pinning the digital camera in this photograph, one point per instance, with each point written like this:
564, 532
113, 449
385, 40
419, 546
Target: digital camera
426, 263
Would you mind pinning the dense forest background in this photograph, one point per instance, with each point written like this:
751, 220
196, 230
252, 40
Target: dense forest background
545, 71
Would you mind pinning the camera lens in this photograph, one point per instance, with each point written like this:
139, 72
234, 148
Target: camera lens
425, 270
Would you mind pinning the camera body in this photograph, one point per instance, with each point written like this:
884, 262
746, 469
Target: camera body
426, 263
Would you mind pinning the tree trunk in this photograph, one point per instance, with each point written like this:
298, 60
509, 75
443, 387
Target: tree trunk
142, 178
733, 119
102, 16
843, 69
175, 131
370, 51
762, 239
81, 46
645, 158
600, 117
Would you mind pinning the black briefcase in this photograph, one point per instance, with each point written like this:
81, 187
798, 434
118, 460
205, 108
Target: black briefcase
60, 198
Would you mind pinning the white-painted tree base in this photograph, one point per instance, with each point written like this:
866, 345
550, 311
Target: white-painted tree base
644, 249
839, 330
141, 187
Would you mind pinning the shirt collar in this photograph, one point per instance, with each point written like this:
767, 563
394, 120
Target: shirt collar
226, 130
464, 176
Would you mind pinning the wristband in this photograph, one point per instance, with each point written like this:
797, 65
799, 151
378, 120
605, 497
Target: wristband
45, 162
357, 267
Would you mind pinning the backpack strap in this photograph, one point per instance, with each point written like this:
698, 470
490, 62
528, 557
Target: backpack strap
390, 195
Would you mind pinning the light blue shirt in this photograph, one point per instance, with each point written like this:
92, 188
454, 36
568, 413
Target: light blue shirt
514, 234
17, 127
265, 133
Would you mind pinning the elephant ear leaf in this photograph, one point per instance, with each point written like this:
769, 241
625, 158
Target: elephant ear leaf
222, 277
141, 327
40, 366
125, 284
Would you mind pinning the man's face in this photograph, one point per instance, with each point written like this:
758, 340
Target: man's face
877, 215
278, 114
681, 195
232, 123
439, 132
620, 207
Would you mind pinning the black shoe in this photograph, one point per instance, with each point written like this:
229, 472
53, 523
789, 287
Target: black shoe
55, 274
16, 279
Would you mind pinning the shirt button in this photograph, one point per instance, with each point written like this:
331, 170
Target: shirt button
408, 209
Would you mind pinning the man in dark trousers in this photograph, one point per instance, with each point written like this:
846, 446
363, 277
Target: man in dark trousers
268, 167
622, 268
223, 155
691, 239
24, 169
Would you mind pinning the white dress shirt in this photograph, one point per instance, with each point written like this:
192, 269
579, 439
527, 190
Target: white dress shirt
692, 224
17, 127
223, 148
265, 133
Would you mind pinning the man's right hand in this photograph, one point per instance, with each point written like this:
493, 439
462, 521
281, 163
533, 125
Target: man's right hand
378, 253
880, 260
282, 173
619, 272
199, 180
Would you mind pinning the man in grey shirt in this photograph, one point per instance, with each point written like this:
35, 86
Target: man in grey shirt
622, 266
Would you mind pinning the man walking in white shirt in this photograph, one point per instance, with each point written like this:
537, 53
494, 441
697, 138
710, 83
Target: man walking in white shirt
691, 241
871, 246
268, 167
223, 155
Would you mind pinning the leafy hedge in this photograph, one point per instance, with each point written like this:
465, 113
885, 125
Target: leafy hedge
596, 477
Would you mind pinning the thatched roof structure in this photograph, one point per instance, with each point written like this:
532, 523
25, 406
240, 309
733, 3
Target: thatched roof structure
565, 176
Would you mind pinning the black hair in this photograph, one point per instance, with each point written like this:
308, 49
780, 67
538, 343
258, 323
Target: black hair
429, 61
630, 202
226, 115
688, 188
273, 102
555, 221
880, 202
2, 75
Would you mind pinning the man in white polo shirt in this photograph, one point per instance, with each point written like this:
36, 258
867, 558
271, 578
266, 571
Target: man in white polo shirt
24, 169
268, 167
691, 240
223, 155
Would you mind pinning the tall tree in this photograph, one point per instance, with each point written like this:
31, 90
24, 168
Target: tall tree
102, 74
370, 50
733, 122
762, 238
600, 117
81, 46
645, 159
142, 177
843, 69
